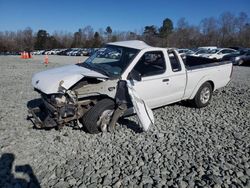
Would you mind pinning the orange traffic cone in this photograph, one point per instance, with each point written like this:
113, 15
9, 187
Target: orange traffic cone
30, 55
22, 55
46, 60
25, 55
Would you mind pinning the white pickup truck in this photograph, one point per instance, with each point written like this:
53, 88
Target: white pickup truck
89, 93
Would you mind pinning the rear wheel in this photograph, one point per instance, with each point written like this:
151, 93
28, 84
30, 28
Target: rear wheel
98, 117
203, 96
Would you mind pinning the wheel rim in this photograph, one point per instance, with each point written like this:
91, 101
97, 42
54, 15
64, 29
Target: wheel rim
205, 95
104, 120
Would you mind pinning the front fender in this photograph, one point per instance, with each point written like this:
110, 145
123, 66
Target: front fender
107, 88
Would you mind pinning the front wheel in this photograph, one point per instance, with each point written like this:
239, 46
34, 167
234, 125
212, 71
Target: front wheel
97, 118
203, 95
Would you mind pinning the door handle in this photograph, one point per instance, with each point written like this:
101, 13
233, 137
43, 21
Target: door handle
165, 80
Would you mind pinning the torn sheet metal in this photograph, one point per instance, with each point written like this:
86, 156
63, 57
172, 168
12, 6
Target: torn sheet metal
144, 113
48, 81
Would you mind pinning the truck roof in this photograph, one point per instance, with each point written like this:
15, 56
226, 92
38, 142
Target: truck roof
137, 44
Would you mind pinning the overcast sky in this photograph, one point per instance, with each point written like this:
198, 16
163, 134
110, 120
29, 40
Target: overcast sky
125, 15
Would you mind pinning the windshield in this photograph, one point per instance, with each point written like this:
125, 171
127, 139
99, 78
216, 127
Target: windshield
213, 51
202, 51
110, 60
236, 53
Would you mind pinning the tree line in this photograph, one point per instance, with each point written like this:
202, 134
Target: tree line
227, 30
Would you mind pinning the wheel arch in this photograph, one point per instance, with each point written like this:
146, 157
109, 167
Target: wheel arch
211, 83
200, 83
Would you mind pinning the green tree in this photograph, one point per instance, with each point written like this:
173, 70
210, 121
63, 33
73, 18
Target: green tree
150, 30
76, 40
41, 39
97, 40
166, 28
52, 43
109, 32
150, 35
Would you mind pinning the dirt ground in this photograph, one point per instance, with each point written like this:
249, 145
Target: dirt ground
187, 147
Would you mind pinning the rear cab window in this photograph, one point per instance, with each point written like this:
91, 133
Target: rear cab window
174, 61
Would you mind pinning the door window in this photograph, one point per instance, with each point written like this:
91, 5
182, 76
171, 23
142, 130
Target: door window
151, 63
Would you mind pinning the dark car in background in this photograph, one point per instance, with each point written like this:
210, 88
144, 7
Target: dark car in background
241, 57
64, 52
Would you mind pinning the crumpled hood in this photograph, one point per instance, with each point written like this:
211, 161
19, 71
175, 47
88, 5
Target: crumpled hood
48, 81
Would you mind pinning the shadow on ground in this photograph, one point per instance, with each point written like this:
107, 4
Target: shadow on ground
34, 103
130, 125
7, 178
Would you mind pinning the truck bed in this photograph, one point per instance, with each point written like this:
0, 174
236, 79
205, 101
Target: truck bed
192, 62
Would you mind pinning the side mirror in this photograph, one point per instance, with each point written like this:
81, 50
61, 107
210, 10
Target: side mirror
134, 75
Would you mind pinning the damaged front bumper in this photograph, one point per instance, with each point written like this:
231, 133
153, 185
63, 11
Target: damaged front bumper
54, 111
41, 121
44, 118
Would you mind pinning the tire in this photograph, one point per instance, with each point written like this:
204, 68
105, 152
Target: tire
91, 118
203, 96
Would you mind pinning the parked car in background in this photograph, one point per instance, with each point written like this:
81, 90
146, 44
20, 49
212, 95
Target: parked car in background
91, 51
71, 51
38, 52
243, 59
208, 47
10, 53
185, 51
235, 56
218, 53
64, 51
200, 52
56, 51
236, 48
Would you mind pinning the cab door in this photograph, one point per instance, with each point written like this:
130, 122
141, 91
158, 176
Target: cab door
159, 85
177, 77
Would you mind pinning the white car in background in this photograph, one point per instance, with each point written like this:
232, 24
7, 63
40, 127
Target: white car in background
208, 47
200, 53
218, 53
185, 51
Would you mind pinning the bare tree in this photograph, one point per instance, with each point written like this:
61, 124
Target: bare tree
209, 30
28, 39
227, 22
227, 30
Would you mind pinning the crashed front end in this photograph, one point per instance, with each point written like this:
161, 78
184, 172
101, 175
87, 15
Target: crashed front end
71, 92
55, 110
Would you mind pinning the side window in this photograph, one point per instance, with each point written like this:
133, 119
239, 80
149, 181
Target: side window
174, 61
225, 51
151, 63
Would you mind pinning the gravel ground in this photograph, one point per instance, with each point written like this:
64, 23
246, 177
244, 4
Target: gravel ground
187, 147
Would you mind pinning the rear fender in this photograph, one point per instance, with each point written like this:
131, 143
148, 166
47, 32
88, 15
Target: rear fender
199, 84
